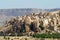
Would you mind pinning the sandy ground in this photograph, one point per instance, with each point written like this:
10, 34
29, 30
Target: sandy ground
16, 38
24, 38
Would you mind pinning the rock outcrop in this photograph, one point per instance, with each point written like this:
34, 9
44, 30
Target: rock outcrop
48, 22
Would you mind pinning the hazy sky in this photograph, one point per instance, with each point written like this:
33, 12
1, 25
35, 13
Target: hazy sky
5, 4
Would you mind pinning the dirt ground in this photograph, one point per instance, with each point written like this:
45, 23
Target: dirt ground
24, 38
16, 38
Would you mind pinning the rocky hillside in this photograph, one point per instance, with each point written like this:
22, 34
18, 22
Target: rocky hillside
6, 14
42, 22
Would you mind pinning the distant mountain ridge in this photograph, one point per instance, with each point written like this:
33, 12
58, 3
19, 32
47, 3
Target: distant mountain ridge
51, 10
22, 11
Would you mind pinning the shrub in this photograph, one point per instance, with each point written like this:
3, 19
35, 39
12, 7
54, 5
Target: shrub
56, 35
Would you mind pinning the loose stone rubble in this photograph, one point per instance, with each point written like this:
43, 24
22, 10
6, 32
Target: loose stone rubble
48, 22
